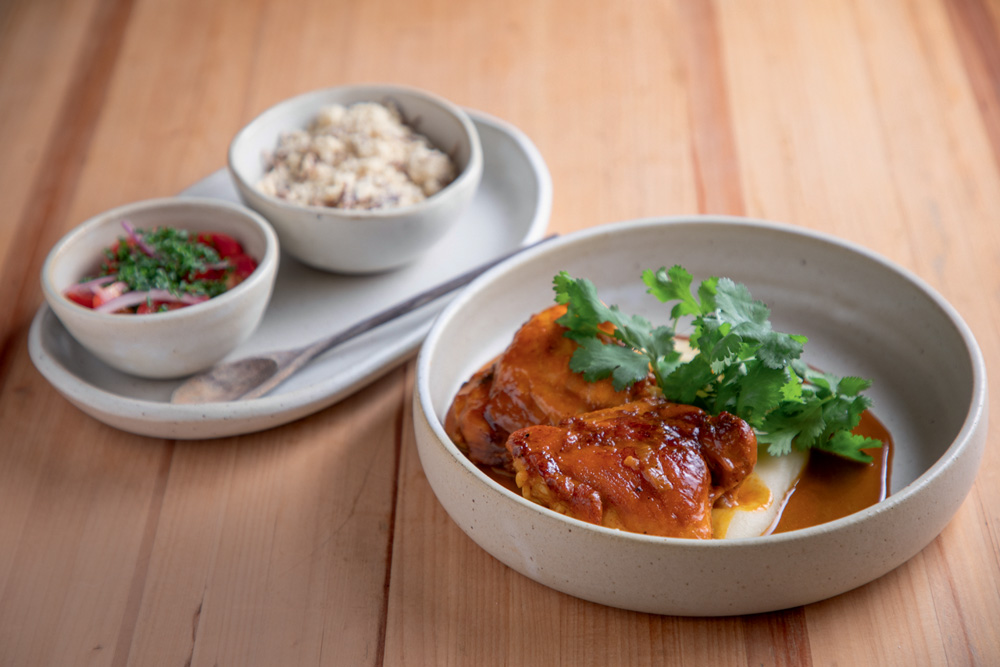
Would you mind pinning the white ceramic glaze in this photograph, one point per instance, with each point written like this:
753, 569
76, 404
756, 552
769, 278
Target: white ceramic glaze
175, 343
863, 315
511, 208
361, 241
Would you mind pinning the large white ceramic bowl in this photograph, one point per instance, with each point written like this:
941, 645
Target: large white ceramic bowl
361, 241
178, 342
863, 315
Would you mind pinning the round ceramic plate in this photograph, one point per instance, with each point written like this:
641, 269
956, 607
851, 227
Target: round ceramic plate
863, 316
510, 209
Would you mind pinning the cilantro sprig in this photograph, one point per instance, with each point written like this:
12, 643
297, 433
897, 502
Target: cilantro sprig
741, 365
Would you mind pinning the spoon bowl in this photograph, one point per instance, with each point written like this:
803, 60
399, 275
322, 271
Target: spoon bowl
227, 382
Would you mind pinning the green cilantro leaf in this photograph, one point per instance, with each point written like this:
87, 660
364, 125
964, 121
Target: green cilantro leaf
598, 361
740, 364
641, 343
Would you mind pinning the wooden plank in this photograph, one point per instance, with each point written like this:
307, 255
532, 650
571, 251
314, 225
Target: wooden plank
77, 507
977, 36
273, 548
47, 123
37, 73
714, 153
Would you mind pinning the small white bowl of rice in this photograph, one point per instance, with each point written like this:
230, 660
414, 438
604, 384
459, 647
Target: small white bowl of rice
359, 178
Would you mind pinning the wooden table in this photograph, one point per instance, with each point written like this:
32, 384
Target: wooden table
320, 542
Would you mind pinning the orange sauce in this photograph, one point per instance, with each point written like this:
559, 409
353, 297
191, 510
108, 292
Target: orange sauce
752, 494
832, 487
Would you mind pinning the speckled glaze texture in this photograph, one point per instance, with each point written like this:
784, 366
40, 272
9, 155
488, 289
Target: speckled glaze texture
930, 391
361, 241
175, 343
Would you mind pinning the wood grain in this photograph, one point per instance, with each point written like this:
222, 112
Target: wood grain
975, 25
320, 542
52, 141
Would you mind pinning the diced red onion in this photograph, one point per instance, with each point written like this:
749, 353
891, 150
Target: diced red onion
90, 285
139, 241
224, 264
130, 299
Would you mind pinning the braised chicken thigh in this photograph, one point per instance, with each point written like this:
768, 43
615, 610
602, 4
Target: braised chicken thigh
647, 467
623, 459
530, 383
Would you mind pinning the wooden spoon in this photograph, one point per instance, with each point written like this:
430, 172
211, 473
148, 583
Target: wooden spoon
253, 377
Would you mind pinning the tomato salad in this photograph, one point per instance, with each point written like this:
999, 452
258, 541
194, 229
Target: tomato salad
152, 271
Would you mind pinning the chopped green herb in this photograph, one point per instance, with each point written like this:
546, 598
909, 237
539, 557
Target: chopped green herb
164, 258
741, 365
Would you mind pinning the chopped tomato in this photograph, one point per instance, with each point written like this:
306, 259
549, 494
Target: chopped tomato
224, 244
85, 299
227, 245
243, 266
209, 274
104, 294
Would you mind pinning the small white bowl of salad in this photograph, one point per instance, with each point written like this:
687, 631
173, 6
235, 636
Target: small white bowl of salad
163, 288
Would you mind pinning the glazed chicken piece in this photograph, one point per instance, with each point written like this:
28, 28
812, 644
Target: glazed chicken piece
646, 467
529, 383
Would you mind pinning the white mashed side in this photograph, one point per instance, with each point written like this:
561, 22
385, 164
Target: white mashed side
360, 156
777, 474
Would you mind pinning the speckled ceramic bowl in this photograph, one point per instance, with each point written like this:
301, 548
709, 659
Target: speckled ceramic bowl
178, 342
361, 241
863, 315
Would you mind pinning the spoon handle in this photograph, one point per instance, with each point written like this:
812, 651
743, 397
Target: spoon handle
298, 358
